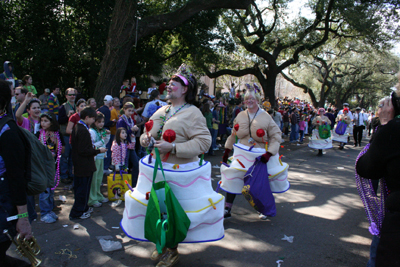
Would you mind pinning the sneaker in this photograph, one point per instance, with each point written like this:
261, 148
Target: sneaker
227, 214
90, 210
107, 172
262, 216
216, 149
52, 214
169, 258
105, 200
84, 216
97, 205
48, 218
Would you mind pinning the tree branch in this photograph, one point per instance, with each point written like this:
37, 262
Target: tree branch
152, 24
235, 73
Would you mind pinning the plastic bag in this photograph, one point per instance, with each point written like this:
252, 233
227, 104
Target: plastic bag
257, 190
109, 245
341, 128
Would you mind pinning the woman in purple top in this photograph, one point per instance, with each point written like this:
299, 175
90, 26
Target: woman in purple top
126, 122
33, 107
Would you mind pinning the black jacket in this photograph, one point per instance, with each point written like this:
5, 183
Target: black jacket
83, 152
383, 160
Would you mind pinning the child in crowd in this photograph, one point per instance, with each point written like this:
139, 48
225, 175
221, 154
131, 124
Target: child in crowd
51, 137
302, 126
124, 88
73, 119
100, 138
83, 154
126, 122
119, 149
27, 81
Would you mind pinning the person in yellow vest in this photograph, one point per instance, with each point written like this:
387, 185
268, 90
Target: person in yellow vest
266, 104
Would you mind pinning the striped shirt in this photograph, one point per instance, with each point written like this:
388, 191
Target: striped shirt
53, 104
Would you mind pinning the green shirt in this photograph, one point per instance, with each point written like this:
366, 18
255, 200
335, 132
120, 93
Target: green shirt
31, 89
209, 118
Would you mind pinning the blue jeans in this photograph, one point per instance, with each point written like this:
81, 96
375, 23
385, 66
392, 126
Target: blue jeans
140, 151
46, 201
132, 158
294, 135
228, 131
214, 134
66, 160
372, 251
107, 160
301, 132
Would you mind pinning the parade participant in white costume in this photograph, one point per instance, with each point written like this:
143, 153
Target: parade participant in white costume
181, 134
255, 134
342, 139
316, 141
350, 114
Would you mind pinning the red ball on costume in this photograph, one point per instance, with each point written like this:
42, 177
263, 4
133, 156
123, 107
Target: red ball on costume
260, 132
317, 121
236, 127
149, 125
169, 136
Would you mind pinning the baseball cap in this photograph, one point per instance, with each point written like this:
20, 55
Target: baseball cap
47, 90
345, 104
108, 98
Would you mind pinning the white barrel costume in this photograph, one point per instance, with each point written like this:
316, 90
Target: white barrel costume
189, 181
232, 177
345, 137
315, 141
191, 184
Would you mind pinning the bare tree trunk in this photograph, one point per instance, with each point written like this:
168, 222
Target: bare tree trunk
121, 37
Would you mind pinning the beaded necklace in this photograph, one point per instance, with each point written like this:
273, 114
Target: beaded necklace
374, 205
100, 135
3, 115
251, 140
165, 119
123, 148
72, 107
42, 138
129, 123
84, 124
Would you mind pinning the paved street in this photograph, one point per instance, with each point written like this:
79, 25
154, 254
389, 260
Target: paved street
321, 210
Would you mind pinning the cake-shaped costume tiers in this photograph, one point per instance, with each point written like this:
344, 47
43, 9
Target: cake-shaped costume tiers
232, 177
191, 184
341, 138
316, 142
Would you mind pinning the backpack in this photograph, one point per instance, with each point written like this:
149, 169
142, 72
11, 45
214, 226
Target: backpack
42, 166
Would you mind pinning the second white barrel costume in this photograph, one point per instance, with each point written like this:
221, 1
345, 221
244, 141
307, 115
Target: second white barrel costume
255, 134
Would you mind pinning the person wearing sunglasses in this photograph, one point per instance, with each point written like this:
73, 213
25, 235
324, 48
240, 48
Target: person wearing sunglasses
20, 93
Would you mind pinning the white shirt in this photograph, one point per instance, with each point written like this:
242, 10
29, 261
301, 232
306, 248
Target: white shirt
360, 122
370, 117
151, 90
151, 107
